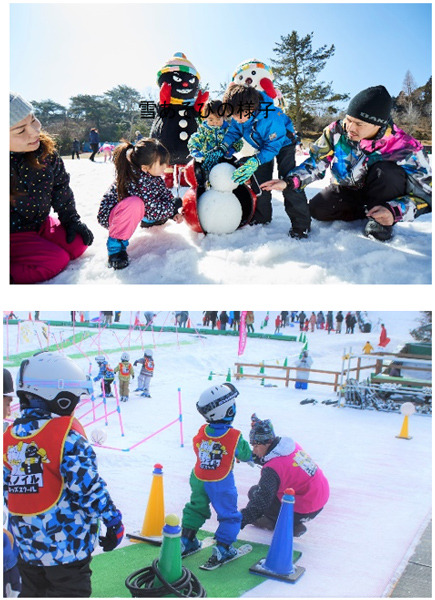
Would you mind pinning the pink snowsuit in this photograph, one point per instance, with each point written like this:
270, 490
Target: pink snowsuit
41, 255
298, 471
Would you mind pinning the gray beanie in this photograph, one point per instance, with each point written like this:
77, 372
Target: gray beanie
261, 431
19, 108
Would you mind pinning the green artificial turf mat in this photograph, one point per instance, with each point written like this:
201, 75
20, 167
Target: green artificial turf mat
110, 569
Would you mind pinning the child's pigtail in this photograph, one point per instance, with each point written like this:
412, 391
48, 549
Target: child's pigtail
124, 171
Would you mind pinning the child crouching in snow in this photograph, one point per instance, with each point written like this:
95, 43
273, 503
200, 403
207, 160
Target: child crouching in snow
138, 194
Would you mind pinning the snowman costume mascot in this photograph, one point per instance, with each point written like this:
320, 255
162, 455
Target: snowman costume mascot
180, 103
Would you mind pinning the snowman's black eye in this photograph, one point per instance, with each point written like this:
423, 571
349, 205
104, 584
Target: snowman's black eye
253, 72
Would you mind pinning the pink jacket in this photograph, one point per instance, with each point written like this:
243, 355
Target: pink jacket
297, 470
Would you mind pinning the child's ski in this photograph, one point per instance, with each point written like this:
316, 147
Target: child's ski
211, 564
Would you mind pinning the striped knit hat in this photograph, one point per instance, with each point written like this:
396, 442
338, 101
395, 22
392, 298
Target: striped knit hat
261, 431
178, 62
252, 63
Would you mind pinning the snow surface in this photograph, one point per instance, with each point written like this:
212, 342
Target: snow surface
380, 485
335, 253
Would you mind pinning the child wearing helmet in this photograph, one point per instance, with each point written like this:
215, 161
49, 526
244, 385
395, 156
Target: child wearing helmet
105, 373
146, 372
125, 373
54, 513
217, 444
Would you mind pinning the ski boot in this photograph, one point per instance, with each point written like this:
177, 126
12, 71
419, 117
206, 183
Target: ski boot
383, 233
119, 260
145, 395
221, 554
189, 542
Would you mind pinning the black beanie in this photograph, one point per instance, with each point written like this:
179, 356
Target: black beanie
372, 105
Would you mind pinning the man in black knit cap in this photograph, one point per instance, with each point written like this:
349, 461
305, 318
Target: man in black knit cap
378, 172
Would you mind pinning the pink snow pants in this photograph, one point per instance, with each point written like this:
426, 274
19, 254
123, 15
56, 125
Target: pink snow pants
40, 255
125, 217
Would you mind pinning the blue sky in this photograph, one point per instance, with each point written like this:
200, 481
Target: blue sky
90, 48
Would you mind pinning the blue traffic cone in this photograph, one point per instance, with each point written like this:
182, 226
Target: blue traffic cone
279, 561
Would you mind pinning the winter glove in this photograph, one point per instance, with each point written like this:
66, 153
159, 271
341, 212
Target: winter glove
292, 183
212, 158
114, 533
244, 172
77, 227
201, 101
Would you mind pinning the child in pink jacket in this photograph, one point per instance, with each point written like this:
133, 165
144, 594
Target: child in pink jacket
285, 465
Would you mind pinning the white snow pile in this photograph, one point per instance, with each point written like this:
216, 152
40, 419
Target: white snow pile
334, 253
380, 485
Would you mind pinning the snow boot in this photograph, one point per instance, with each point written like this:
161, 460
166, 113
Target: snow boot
189, 542
299, 530
264, 522
298, 234
119, 260
383, 233
221, 554
145, 395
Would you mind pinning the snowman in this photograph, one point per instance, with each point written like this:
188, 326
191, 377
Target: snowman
219, 210
255, 73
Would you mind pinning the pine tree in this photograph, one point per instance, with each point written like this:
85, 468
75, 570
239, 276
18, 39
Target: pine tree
296, 71
423, 333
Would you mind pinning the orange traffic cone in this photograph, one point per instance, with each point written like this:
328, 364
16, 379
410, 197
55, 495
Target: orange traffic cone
154, 519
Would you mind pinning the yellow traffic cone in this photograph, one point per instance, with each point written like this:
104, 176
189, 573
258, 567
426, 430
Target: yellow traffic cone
404, 431
155, 513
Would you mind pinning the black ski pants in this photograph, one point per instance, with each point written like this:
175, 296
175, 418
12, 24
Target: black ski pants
295, 203
385, 181
94, 148
72, 580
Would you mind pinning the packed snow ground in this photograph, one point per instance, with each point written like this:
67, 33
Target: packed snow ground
380, 485
335, 253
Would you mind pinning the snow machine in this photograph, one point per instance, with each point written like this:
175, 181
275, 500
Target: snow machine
196, 178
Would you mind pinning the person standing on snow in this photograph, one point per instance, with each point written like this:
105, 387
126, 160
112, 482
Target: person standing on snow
146, 372
379, 173
217, 445
302, 377
54, 514
284, 465
125, 373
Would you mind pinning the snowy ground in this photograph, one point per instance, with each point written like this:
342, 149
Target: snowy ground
335, 253
380, 485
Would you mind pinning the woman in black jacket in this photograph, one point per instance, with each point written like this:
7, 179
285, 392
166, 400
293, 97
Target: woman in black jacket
41, 245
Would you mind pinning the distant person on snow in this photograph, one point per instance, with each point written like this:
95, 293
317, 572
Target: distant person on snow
41, 246
384, 340
125, 373
367, 348
146, 372
284, 465
378, 172
138, 195
94, 142
217, 444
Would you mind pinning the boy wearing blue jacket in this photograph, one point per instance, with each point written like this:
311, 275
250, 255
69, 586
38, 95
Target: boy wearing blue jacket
270, 132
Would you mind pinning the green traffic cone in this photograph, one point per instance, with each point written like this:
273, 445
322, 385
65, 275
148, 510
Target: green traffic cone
210, 377
262, 367
285, 362
228, 376
169, 563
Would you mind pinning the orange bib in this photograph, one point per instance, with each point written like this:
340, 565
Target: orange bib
35, 483
215, 455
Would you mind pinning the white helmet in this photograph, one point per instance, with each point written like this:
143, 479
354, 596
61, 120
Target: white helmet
53, 381
148, 353
100, 359
125, 357
217, 403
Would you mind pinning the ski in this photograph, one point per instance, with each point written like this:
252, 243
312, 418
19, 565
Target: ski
242, 551
205, 543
